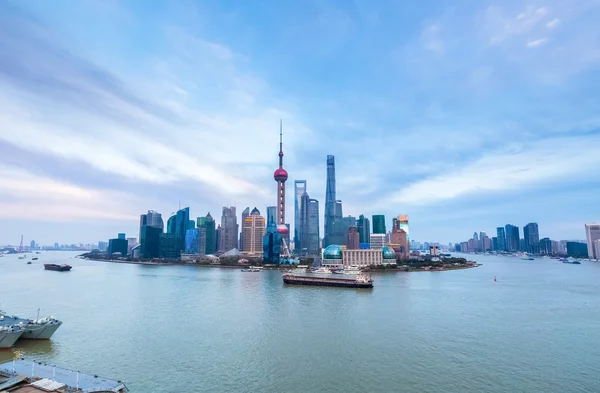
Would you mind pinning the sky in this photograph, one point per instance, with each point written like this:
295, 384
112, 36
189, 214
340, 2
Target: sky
464, 115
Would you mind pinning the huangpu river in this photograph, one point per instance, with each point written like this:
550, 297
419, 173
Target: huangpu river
191, 329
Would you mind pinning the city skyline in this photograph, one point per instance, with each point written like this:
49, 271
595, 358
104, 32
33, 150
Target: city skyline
191, 114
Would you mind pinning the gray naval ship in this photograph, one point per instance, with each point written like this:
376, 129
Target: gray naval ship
33, 329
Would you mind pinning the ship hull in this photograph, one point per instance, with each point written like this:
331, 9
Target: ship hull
40, 332
57, 268
326, 282
8, 339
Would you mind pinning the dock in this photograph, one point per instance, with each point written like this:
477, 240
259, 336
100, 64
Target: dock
26, 376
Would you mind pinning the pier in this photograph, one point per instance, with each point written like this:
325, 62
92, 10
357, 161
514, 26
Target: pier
26, 376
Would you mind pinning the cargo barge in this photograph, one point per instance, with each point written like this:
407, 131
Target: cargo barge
358, 281
58, 268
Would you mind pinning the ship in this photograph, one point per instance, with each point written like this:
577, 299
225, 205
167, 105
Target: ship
572, 262
33, 329
58, 268
334, 280
9, 335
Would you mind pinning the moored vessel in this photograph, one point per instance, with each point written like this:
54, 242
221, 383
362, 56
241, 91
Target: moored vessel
9, 335
252, 269
346, 281
36, 329
58, 268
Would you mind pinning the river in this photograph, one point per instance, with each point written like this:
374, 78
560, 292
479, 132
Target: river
193, 329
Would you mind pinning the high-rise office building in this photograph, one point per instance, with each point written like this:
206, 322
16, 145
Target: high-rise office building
245, 215
32, 245
545, 246
577, 250
271, 218
333, 209
313, 227
531, 236
208, 224
364, 229
172, 224
352, 239
475, 236
151, 227
378, 224
592, 233
117, 245
229, 229
347, 222
301, 228
192, 241
512, 238
254, 229
182, 223
500, 234
299, 190
170, 245
399, 240
280, 175
121, 236
403, 220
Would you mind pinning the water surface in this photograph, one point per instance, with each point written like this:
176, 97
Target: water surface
176, 328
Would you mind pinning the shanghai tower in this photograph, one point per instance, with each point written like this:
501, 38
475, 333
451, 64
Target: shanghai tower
332, 215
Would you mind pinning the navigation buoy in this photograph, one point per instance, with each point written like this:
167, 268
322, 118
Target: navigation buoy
494, 278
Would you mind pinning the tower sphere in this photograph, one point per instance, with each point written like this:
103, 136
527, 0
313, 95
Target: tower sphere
280, 175
282, 229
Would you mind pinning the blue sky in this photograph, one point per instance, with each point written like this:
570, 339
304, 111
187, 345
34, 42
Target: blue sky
463, 115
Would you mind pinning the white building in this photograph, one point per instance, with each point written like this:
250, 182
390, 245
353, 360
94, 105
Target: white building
592, 233
377, 241
597, 248
362, 258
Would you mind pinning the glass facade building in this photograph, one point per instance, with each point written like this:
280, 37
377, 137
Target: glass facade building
117, 245
531, 236
314, 238
334, 231
170, 245
208, 224
501, 236
299, 190
150, 242
577, 250
192, 241
378, 224
271, 247
513, 242
172, 224
364, 229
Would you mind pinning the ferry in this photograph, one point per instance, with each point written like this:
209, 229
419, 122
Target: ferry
346, 281
252, 269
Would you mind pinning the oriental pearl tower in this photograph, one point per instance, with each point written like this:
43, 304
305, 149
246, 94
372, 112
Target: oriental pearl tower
280, 177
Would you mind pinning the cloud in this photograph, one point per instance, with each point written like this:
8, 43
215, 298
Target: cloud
432, 40
553, 23
528, 165
29, 197
536, 43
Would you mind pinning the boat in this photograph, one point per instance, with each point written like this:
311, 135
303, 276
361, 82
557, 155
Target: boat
22, 257
527, 259
58, 268
34, 259
346, 281
37, 252
572, 262
252, 269
33, 329
9, 335
29, 262
322, 270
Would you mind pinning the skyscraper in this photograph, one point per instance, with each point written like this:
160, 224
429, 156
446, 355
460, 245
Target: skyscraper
403, 220
364, 229
512, 238
299, 190
313, 227
347, 222
172, 224
280, 177
229, 229
500, 234
378, 224
192, 241
531, 236
271, 218
330, 203
352, 239
254, 229
182, 220
245, 215
301, 228
208, 224
592, 233
151, 227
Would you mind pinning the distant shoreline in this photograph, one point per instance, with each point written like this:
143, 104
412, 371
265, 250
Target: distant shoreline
281, 267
